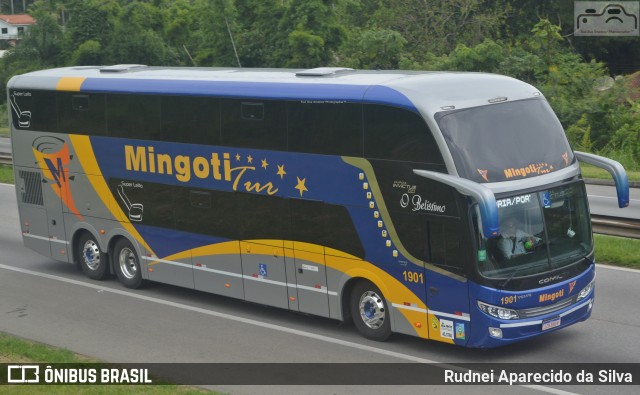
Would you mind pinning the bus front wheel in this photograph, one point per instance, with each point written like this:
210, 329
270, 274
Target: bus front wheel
369, 311
94, 262
127, 264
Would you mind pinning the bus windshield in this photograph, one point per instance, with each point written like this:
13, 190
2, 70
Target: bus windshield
507, 141
540, 231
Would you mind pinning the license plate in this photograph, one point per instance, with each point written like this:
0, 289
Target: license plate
550, 323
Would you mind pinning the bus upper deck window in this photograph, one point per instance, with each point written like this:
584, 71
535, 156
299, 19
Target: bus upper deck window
252, 111
80, 102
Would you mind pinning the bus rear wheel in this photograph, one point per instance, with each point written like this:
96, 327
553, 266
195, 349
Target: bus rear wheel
93, 262
127, 264
369, 311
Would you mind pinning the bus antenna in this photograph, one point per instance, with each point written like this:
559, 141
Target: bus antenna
233, 44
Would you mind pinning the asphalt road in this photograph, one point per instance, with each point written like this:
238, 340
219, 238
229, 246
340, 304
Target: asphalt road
5, 145
53, 303
603, 201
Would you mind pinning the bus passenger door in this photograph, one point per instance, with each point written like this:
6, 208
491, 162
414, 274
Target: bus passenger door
447, 289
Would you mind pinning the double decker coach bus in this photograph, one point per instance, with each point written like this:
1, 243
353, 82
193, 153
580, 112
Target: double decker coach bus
376, 196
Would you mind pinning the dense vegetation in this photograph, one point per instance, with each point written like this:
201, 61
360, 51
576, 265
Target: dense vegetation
530, 40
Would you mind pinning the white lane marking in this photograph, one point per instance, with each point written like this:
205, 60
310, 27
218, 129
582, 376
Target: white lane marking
7, 185
610, 197
265, 325
623, 269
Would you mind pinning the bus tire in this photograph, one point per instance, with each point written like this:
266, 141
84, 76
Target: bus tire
94, 263
369, 311
126, 264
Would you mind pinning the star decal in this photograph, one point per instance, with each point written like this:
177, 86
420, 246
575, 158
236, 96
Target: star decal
250, 159
281, 171
264, 164
301, 187
237, 157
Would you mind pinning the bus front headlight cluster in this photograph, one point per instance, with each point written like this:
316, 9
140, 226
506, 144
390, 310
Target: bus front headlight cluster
585, 291
498, 312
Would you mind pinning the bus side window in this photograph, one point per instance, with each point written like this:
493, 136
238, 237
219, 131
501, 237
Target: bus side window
325, 128
261, 217
133, 116
307, 222
254, 124
445, 247
82, 113
33, 110
398, 134
341, 231
187, 119
413, 231
206, 212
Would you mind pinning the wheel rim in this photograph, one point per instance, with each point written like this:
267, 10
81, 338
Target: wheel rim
91, 255
128, 264
372, 310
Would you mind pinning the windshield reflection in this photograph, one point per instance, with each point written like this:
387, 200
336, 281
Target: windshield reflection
540, 231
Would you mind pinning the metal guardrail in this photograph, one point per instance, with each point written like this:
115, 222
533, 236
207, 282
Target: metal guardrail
5, 158
616, 226
613, 226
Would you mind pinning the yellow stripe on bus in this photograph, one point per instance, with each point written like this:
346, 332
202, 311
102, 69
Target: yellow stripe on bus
71, 84
394, 290
84, 153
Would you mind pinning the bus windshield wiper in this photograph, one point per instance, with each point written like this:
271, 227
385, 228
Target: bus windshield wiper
504, 284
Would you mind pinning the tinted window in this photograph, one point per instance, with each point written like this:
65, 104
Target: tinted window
34, 110
413, 232
261, 217
446, 241
398, 134
82, 113
134, 116
254, 124
206, 212
307, 221
144, 202
325, 128
188, 119
341, 232
507, 141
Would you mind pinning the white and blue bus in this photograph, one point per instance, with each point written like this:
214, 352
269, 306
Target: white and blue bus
447, 206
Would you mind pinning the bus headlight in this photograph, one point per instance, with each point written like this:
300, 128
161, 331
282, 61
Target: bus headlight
585, 291
498, 312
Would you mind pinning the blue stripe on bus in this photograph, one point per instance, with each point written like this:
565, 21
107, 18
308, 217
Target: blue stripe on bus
259, 90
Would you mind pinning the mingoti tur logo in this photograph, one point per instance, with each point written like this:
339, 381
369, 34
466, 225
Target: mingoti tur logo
602, 18
53, 158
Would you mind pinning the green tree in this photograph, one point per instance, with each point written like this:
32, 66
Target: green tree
216, 39
258, 34
309, 34
373, 49
138, 37
88, 53
90, 20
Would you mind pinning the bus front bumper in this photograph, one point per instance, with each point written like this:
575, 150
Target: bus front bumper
491, 332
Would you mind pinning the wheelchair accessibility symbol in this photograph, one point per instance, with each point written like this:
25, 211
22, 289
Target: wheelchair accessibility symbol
263, 269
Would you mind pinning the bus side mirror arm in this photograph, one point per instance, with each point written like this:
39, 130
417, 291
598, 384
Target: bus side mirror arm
615, 169
483, 195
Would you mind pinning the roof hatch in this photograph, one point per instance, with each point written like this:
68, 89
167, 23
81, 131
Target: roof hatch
322, 71
122, 68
